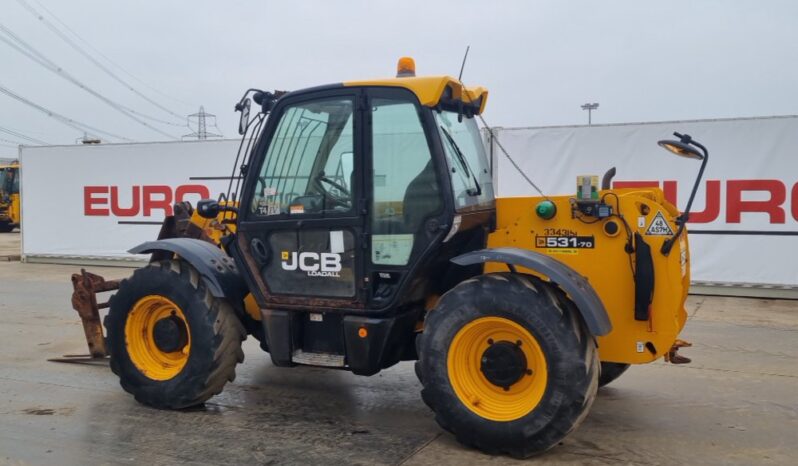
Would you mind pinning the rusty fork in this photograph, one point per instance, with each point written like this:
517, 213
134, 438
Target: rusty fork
84, 300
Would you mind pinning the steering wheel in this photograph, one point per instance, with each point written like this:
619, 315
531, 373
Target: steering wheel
342, 200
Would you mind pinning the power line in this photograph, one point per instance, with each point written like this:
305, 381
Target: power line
22, 136
61, 118
86, 54
119, 67
30, 52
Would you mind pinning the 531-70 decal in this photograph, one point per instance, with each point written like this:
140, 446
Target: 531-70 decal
565, 242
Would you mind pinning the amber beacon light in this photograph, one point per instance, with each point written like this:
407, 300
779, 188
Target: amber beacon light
406, 68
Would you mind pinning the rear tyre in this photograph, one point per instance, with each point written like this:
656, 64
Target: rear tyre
611, 371
507, 365
172, 344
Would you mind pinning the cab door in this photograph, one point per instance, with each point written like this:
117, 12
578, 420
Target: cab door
408, 210
302, 217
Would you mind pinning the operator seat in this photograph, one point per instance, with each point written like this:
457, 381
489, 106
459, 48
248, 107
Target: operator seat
422, 199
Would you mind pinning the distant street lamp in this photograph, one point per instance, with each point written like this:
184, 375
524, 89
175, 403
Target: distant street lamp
590, 108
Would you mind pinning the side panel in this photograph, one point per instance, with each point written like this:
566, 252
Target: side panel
295, 271
598, 252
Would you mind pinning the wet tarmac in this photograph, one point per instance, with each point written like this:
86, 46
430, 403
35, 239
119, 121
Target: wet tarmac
737, 403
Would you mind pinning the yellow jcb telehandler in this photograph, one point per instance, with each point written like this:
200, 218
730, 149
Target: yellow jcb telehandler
360, 229
9, 197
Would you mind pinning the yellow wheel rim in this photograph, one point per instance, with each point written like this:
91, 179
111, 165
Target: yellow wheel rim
471, 385
145, 354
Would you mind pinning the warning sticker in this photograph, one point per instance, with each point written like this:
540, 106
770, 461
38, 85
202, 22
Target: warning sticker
659, 226
268, 208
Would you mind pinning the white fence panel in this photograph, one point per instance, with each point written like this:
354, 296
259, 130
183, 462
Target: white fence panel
98, 201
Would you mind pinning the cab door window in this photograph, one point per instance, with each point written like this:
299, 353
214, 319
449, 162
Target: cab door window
406, 190
308, 165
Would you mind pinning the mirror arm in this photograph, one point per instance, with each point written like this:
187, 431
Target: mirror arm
246, 93
682, 219
697, 180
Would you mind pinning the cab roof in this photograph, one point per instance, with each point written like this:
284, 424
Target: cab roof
434, 90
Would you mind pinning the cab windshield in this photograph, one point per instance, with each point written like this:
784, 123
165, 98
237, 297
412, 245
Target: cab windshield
468, 164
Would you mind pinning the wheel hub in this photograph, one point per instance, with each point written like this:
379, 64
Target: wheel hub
504, 383
503, 363
158, 337
170, 334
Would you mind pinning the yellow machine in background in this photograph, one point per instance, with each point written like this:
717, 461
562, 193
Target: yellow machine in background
9, 197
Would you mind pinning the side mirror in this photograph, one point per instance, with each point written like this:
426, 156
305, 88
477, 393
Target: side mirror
243, 121
681, 149
208, 208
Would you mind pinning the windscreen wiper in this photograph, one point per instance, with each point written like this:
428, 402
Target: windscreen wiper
477, 190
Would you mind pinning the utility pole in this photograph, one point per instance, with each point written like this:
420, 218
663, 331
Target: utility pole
201, 121
590, 107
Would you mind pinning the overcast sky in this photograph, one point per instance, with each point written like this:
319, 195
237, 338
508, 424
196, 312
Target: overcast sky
641, 60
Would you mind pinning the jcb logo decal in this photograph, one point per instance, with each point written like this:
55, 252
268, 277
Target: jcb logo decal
325, 264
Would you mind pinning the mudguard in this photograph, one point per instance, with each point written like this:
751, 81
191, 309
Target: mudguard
583, 295
216, 268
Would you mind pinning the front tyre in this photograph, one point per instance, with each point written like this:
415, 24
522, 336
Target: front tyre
172, 344
507, 365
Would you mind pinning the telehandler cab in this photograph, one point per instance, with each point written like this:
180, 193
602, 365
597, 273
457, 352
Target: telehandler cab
363, 231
